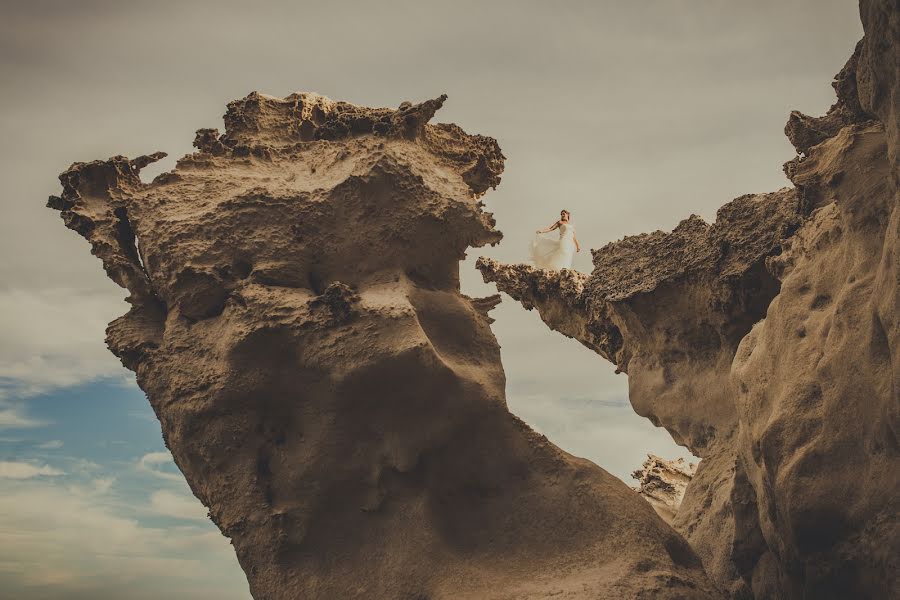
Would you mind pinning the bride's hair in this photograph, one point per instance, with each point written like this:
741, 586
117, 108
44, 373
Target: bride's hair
565, 211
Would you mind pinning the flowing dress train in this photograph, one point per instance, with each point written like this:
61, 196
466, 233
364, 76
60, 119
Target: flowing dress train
552, 253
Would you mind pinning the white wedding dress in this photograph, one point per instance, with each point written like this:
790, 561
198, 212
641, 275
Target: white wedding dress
552, 253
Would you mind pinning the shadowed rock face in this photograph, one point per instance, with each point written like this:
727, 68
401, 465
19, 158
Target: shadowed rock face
326, 390
769, 344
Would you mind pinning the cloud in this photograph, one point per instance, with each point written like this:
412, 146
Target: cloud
102, 485
24, 470
51, 445
179, 506
53, 338
83, 466
608, 433
153, 462
93, 487
11, 417
56, 544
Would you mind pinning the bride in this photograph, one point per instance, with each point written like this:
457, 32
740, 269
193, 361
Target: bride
555, 254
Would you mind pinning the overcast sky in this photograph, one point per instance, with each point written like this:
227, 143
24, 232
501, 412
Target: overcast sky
632, 115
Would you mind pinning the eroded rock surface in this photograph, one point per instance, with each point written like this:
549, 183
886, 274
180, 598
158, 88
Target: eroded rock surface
322, 383
663, 482
768, 343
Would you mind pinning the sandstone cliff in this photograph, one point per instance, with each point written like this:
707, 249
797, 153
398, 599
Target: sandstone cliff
768, 343
322, 383
663, 482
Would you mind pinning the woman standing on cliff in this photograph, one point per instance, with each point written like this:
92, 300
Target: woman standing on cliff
554, 254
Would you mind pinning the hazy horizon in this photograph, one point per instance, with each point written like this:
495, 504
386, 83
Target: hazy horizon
632, 116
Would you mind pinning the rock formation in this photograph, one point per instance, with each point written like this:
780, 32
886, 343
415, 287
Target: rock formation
325, 388
768, 343
663, 482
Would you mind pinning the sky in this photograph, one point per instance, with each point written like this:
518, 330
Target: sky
632, 115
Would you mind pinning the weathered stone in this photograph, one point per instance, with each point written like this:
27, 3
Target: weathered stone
769, 344
327, 391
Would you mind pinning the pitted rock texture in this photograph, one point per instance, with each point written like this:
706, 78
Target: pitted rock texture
769, 344
662, 482
719, 268
322, 383
670, 309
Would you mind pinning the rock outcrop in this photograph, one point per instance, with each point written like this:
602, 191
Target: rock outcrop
768, 343
670, 309
326, 389
663, 482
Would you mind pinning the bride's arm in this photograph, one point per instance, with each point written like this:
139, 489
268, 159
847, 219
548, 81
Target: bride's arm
577, 245
549, 229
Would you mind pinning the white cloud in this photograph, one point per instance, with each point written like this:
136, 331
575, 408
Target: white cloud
97, 486
607, 433
56, 544
51, 445
83, 466
103, 484
24, 470
179, 506
53, 338
154, 462
11, 417
155, 458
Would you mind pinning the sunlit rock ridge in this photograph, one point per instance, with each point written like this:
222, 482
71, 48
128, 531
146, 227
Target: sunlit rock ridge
327, 391
768, 343
663, 483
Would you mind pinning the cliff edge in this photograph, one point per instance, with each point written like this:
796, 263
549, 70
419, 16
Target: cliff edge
768, 342
327, 391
